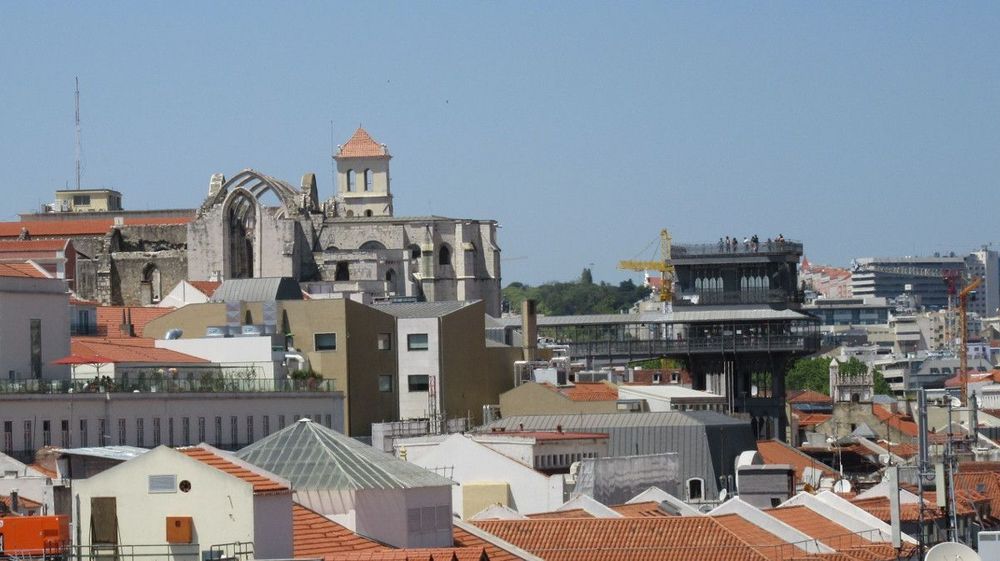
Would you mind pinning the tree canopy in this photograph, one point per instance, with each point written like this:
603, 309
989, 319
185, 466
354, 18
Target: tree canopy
583, 296
814, 374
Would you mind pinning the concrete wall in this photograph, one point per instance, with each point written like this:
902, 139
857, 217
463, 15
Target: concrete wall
414, 405
24, 299
383, 515
366, 362
235, 352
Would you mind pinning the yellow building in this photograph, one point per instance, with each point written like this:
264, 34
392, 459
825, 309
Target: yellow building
87, 200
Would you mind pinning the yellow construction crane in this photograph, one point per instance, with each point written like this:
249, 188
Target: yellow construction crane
664, 266
963, 326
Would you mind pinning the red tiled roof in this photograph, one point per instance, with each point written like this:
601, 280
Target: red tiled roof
261, 485
818, 526
315, 536
23, 502
678, 538
81, 227
33, 246
361, 145
902, 423
587, 391
207, 288
640, 510
415, 554
129, 349
109, 318
50, 473
985, 483
808, 396
466, 539
776, 452
812, 419
976, 467
900, 449
908, 512
765, 542
25, 270
568, 513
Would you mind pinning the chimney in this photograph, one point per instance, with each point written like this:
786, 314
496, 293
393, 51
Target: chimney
559, 428
529, 329
126, 327
14, 502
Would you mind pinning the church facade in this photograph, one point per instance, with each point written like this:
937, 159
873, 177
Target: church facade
350, 244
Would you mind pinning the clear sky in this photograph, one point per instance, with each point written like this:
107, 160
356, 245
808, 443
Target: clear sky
860, 128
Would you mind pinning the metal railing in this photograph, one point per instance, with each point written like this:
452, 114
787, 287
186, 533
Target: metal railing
205, 384
762, 296
726, 343
680, 251
142, 552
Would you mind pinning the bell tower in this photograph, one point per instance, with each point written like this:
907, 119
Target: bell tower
363, 177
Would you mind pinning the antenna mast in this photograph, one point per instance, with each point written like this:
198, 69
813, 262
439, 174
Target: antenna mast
333, 163
78, 149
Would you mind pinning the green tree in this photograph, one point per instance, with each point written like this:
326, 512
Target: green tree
881, 386
809, 374
586, 277
580, 297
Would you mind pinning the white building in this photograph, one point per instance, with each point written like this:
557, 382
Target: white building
485, 476
185, 500
985, 264
28, 482
673, 397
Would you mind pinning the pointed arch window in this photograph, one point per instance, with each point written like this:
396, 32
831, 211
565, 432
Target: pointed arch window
369, 180
444, 256
350, 180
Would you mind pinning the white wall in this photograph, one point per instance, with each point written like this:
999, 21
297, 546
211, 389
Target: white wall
413, 405
221, 505
28, 482
383, 514
91, 407
230, 352
24, 299
273, 526
470, 462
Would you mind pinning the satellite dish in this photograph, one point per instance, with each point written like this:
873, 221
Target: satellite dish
842, 486
723, 494
753, 390
952, 551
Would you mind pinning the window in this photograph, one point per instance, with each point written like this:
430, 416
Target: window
325, 341
350, 180
140, 434
122, 434
281, 422
46, 433
218, 432
8, 437
64, 436
385, 341
342, 272
416, 342
418, 382
186, 430
385, 382
81, 200
156, 432
102, 430
29, 440
266, 425
328, 421
36, 348
444, 256
249, 429
201, 429
369, 213
695, 489
170, 432
234, 430
368, 180
162, 484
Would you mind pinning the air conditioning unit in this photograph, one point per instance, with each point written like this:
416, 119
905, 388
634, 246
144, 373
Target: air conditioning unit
216, 331
252, 330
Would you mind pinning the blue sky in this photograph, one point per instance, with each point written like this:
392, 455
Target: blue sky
583, 128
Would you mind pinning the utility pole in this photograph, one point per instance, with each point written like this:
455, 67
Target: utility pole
78, 141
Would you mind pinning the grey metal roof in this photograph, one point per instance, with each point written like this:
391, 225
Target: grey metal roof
120, 453
685, 316
706, 442
263, 289
422, 309
312, 456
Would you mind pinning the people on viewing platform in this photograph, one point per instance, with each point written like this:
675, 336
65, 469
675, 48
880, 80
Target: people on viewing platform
751, 244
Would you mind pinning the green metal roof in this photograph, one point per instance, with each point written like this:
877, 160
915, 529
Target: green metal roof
312, 456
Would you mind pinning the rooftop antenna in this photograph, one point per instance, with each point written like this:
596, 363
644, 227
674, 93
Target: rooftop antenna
333, 163
78, 142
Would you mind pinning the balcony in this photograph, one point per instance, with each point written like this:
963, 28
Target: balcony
695, 250
720, 298
806, 343
207, 383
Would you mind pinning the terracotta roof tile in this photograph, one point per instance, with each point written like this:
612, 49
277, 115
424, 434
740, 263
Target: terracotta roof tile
809, 396
818, 526
24, 502
361, 145
640, 510
812, 419
908, 512
902, 423
26, 270
414, 554
33, 246
261, 485
587, 391
775, 452
620, 539
466, 539
50, 473
130, 349
568, 513
80, 227
109, 318
316, 536
207, 288
766, 543
985, 483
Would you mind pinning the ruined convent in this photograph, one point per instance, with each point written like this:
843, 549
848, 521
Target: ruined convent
253, 225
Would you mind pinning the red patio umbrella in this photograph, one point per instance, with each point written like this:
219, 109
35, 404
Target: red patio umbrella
95, 360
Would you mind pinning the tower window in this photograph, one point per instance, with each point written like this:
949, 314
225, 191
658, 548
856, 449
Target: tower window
444, 256
368, 180
350, 180
368, 212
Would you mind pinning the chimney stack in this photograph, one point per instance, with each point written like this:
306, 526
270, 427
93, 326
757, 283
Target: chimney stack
529, 329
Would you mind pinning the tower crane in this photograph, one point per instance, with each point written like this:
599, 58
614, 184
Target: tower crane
963, 305
664, 266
